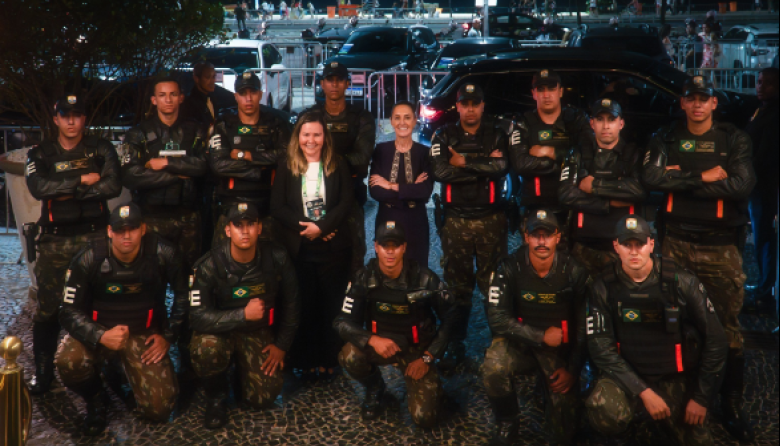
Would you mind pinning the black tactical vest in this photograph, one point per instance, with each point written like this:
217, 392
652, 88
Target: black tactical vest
344, 131
236, 292
698, 154
127, 295
390, 315
642, 329
543, 190
592, 226
484, 191
545, 302
254, 139
81, 160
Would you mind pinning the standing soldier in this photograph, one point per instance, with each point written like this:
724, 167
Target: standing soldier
243, 303
114, 306
399, 300
469, 159
645, 323
354, 134
243, 154
601, 183
705, 168
536, 308
73, 176
541, 141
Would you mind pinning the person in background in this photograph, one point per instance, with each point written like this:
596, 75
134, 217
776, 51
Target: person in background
711, 51
665, 35
400, 182
693, 44
476, 28
240, 12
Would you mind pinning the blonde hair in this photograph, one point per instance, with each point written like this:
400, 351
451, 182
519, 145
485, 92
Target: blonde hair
296, 161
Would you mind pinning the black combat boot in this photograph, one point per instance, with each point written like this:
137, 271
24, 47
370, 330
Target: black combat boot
735, 420
453, 357
92, 391
375, 392
45, 336
216, 401
506, 412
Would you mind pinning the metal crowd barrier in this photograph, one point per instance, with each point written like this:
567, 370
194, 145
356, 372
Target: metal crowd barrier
740, 80
388, 87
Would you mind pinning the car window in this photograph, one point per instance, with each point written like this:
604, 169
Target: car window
736, 34
271, 56
239, 59
633, 93
385, 41
473, 50
649, 45
424, 35
511, 25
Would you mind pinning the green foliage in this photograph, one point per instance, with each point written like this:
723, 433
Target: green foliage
97, 48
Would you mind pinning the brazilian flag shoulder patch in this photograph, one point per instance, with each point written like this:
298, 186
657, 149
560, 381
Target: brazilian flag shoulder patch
529, 296
387, 308
113, 288
545, 135
687, 145
631, 315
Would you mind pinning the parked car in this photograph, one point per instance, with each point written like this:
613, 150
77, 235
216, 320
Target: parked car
238, 55
641, 39
749, 46
519, 26
471, 46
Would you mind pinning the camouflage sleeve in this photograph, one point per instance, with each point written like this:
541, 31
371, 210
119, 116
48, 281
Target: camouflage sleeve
499, 307
602, 344
38, 182
204, 315
350, 322
177, 277
657, 177
77, 300
109, 185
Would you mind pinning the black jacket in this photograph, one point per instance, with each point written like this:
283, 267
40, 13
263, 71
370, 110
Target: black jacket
351, 321
501, 312
287, 208
76, 313
205, 317
43, 187
696, 310
765, 135
195, 108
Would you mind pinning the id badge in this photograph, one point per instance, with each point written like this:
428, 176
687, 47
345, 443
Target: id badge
315, 209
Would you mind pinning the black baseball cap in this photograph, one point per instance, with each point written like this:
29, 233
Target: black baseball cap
247, 79
632, 227
541, 219
335, 69
471, 92
242, 211
390, 231
698, 84
546, 78
606, 105
125, 216
70, 103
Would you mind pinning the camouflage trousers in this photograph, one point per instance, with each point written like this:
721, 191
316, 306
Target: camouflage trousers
504, 360
269, 231
610, 410
356, 221
154, 385
54, 256
463, 239
719, 268
183, 230
424, 394
595, 260
211, 354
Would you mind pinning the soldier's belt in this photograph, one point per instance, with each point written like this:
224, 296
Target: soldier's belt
720, 238
402, 205
71, 230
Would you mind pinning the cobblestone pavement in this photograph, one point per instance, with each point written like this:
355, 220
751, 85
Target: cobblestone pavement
328, 414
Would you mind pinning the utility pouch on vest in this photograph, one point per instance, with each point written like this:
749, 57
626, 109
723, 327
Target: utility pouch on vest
672, 317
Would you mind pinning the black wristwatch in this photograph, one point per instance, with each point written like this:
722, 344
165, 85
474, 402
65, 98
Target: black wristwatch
428, 359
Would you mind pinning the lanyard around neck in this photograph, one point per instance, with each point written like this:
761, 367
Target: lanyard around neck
305, 187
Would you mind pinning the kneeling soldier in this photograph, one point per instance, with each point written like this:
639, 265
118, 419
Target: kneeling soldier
536, 303
388, 318
114, 306
645, 321
243, 303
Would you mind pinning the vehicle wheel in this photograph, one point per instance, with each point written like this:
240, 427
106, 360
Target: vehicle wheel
271, 101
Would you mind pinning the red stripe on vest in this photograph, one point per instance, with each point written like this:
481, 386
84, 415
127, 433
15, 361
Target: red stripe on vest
520, 320
565, 329
449, 193
670, 204
373, 327
149, 319
50, 217
231, 183
273, 176
414, 335
94, 315
492, 192
720, 208
580, 219
631, 210
618, 347
678, 355
270, 317
538, 184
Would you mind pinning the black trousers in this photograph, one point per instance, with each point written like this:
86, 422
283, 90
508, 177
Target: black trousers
322, 284
763, 209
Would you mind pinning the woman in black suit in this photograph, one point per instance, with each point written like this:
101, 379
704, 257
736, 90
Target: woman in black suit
400, 182
311, 198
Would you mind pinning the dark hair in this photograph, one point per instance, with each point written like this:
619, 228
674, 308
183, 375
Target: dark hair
666, 31
771, 71
164, 80
200, 67
406, 103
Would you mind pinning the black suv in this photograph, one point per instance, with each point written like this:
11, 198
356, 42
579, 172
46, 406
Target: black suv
649, 91
642, 39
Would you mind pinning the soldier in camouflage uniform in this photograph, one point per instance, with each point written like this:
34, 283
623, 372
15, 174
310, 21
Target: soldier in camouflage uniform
656, 340
114, 307
705, 168
535, 308
469, 160
73, 176
244, 303
389, 317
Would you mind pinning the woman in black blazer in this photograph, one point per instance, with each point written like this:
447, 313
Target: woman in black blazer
311, 199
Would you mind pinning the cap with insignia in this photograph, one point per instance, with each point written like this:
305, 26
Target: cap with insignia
700, 85
541, 219
608, 106
70, 103
243, 211
335, 69
125, 216
546, 78
632, 227
247, 79
470, 92
390, 231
